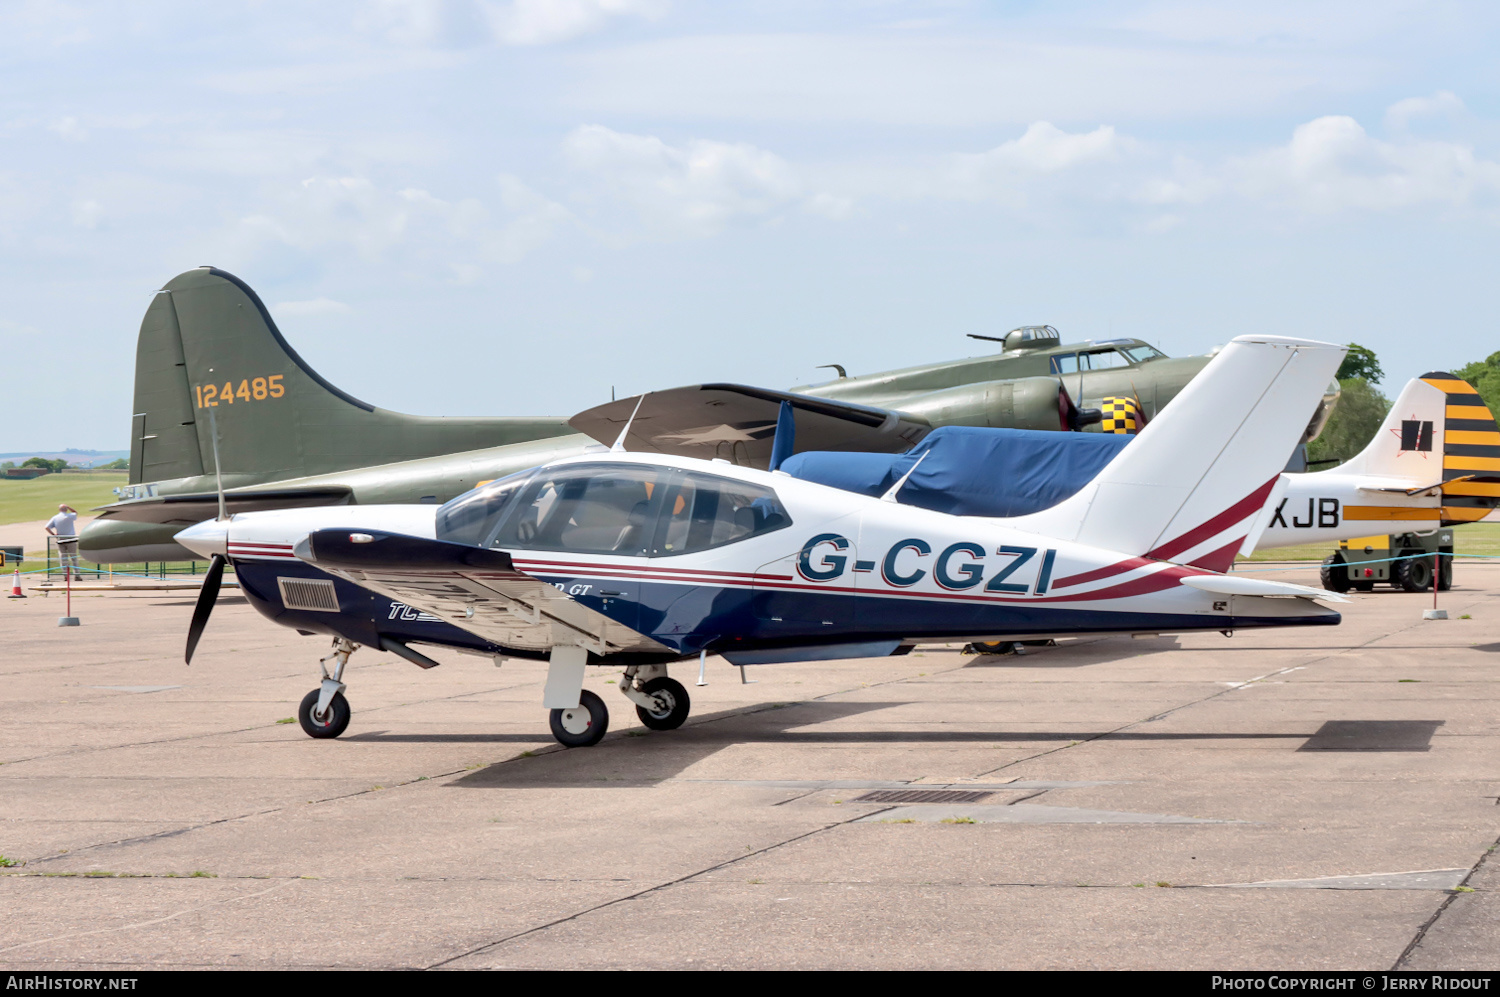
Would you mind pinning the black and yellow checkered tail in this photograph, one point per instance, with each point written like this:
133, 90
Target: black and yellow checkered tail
1121, 415
1471, 452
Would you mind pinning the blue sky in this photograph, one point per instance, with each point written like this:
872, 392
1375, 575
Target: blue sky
466, 207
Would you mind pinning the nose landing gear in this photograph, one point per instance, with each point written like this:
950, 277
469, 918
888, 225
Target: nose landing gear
325, 712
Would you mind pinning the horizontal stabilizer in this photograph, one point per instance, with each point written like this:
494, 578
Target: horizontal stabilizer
1236, 585
195, 507
472, 588
738, 423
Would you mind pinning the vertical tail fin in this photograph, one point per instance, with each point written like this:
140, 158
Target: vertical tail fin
1439, 429
1409, 443
1190, 487
208, 342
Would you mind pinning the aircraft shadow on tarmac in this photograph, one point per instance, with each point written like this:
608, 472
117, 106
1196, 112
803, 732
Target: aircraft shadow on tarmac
627, 760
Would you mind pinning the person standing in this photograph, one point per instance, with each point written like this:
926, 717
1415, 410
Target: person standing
64, 526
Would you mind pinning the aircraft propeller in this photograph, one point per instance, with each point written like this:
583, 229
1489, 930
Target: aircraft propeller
207, 596
1070, 416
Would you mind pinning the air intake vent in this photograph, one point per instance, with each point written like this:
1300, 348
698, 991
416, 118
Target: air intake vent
314, 594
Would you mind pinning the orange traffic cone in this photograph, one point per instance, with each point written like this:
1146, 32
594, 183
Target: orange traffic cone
15, 586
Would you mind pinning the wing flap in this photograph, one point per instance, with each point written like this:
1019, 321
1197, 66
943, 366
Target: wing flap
472, 588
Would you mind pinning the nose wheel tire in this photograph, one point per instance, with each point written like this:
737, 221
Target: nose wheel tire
583, 725
675, 700
332, 724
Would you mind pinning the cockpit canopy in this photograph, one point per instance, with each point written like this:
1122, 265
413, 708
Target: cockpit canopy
624, 509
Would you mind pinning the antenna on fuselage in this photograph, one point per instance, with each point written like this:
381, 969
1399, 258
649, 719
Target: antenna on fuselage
213, 432
890, 495
619, 446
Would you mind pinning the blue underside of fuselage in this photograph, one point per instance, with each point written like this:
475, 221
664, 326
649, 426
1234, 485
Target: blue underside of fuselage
689, 618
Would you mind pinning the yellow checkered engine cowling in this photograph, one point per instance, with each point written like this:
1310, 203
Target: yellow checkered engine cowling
1121, 415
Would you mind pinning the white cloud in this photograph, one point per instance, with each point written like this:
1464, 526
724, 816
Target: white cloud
540, 22
1333, 164
86, 213
408, 226
695, 188
929, 79
1441, 104
315, 306
463, 23
68, 128
1044, 151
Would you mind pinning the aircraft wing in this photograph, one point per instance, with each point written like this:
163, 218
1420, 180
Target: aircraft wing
472, 588
195, 507
738, 423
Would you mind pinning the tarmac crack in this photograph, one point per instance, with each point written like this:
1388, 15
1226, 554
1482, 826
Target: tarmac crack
1442, 908
489, 946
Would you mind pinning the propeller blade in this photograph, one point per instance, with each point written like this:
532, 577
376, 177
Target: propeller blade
207, 596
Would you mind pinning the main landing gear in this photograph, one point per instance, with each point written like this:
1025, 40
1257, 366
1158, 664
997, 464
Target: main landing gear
324, 711
579, 718
661, 702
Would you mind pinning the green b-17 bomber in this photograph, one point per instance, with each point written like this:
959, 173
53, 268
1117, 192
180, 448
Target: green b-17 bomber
222, 400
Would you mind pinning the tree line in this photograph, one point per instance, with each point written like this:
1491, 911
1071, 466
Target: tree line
60, 465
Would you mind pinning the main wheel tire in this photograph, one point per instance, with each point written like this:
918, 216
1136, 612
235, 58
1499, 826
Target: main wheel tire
331, 725
584, 725
1413, 574
677, 709
994, 647
1334, 574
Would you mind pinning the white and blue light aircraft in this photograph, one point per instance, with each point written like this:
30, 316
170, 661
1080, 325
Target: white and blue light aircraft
645, 560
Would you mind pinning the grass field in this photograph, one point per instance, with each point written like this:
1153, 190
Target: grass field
25, 501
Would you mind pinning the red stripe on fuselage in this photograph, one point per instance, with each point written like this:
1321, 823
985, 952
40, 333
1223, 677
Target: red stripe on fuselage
1192, 538
1129, 564
1219, 560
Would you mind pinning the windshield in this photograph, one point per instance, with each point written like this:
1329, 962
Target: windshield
471, 518
1142, 353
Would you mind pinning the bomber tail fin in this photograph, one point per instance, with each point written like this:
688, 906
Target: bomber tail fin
1439, 429
1189, 489
208, 341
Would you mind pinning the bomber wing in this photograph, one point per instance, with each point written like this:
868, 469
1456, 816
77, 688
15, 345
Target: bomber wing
195, 507
738, 423
472, 588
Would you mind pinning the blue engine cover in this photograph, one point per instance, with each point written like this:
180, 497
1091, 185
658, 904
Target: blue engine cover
971, 471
